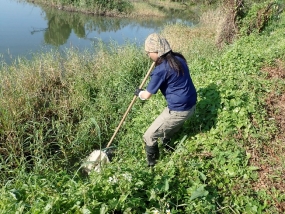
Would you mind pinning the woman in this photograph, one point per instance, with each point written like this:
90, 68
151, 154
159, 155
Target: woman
171, 76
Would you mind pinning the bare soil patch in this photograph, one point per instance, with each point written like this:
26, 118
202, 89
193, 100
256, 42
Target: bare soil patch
269, 156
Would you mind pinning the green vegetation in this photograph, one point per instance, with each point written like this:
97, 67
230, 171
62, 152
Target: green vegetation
125, 8
229, 158
102, 7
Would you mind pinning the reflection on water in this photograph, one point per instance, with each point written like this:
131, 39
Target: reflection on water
61, 24
53, 28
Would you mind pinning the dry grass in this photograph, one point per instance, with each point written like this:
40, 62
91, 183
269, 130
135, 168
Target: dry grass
151, 9
183, 39
212, 18
167, 4
228, 27
143, 9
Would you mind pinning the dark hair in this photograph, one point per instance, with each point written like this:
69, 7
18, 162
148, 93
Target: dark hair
173, 62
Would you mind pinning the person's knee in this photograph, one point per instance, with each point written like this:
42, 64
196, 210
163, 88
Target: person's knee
148, 139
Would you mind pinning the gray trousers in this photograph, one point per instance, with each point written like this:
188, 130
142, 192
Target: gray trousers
166, 125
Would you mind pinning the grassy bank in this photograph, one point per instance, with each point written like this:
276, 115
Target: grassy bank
123, 8
54, 110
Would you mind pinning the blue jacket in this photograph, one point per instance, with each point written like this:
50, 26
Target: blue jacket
178, 90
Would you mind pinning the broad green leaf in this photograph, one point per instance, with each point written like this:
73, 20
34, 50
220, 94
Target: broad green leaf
202, 176
200, 192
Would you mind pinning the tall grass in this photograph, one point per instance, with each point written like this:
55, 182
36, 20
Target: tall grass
47, 103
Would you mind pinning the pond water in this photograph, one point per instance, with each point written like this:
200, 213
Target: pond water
27, 29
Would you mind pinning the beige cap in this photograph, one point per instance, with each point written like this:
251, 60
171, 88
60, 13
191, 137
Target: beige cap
156, 43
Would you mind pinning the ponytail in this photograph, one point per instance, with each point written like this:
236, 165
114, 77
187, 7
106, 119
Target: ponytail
173, 62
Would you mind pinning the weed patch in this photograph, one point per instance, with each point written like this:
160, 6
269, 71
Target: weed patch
269, 157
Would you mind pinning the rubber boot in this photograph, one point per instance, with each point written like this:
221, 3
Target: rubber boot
152, 154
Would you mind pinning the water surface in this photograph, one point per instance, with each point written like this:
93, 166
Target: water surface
27, 29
